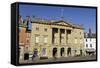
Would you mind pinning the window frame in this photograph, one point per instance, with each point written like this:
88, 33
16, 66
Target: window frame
36, 38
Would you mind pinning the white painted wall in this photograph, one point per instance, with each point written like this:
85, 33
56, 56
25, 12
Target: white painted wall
90, 41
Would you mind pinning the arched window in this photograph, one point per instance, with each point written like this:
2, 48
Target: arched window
44, 51
35, 52
54, 52
62, 52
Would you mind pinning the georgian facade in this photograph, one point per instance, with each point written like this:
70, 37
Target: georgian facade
50, 39
56, 39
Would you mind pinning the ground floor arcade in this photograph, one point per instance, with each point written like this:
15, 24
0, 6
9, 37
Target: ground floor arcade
50, 52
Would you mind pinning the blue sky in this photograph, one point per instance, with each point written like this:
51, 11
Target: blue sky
85, 16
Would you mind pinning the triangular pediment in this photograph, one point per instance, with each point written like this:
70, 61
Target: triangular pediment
64, 23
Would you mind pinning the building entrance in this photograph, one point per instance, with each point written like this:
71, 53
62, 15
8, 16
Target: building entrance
35, 54
69, 51
54, 52
26, 56
62, 52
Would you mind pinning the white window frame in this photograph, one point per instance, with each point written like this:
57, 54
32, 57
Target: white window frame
81, 40
45, 39
36, 39
75, 40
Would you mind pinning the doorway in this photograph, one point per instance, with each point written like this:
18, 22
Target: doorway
26, 56
54, 52
69, 51
35, 54
62, 52
80, 52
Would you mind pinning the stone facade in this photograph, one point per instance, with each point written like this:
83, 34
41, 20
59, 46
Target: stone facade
56, 39
50, 39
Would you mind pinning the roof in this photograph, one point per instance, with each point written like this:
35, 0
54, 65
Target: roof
87, 35
28, 30
90, 50
56, 22
23, 23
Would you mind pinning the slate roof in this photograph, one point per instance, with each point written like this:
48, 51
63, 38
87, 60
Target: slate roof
87, 35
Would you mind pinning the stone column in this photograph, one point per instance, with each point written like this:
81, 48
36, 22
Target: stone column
50, 51
65, 36
72, 52
50, 42
50, 34
58, 47
66, 51
58, 52
59, 36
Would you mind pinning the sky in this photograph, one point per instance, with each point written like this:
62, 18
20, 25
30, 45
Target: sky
76, 15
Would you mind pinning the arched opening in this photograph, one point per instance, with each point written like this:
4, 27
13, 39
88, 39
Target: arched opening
26, 56
69, 51
35, 53
54, 52
80, 52
62, 52
43, 51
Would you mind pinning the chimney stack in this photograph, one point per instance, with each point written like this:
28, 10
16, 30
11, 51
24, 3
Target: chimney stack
27, 18
26, 21
20, 20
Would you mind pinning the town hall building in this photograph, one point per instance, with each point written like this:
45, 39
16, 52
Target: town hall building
50, 39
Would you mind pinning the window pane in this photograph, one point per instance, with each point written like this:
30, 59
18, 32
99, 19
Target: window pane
44, 51
86, 40
37, 39
90, 45
86, 45
69, 31
81, 40
75, 40
45, 39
